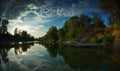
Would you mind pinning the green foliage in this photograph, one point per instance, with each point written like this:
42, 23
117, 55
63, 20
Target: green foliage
76, 26
75, 29
109, 38
97, 40
4, 34
111, 7
51, 37
100, 39
18, 35
52, 34
3, 28
97, 21
61, 34
22, 36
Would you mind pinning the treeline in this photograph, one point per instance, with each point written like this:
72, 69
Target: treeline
18, 35
75, 29
22, 35
51, 37
87, 29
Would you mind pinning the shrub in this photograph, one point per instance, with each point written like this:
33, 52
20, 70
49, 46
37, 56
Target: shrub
109, 38
99, 40
92, 40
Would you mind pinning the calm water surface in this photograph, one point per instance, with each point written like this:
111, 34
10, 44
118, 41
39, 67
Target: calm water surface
37, 57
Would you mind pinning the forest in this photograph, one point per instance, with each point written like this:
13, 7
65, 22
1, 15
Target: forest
78, 29
85, 29
59, 35
5, 36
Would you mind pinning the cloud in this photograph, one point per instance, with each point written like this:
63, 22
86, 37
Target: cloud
13, 8
32, 15
31, 22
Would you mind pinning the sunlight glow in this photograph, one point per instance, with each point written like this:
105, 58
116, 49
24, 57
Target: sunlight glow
20, 27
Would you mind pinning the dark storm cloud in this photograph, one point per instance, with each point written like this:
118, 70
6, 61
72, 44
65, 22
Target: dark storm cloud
13, 8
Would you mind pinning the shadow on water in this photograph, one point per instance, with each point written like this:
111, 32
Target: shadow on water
76, 58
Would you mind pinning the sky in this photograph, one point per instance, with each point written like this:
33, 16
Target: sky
36, 16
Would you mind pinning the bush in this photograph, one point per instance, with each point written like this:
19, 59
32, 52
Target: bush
109, 38
92, 40
99, 40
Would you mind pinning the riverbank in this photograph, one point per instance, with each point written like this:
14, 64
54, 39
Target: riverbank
82, 45
75, 44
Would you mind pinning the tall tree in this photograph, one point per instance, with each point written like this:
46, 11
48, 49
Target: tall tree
3, 28
52, 34
61, 34
16, 31
111, 21
111, 7
97, 21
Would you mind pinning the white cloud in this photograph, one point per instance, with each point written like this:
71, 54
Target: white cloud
44, 13
51, 9
31, 24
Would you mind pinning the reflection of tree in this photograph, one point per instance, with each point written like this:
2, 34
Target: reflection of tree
72, 56
90, 59
19, 48
3, 52
87, 59
52, 49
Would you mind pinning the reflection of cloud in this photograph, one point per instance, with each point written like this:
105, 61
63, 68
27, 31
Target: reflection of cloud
36, 59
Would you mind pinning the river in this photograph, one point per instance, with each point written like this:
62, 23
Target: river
38, 57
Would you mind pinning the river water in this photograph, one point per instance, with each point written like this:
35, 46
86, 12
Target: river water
38, 57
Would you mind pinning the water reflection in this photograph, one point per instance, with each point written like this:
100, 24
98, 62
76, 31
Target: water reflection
58, 58
3, 54
88, 59
52, 49
18, 49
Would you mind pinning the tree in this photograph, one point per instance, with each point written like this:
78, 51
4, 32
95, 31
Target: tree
75, 29
52, 34
24, 33
61, 34
97, 22
3, 28
84, 20
16, 31
111, 21
78, 26
111, 7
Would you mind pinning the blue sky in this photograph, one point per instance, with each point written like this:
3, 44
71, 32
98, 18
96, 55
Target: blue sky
36, 16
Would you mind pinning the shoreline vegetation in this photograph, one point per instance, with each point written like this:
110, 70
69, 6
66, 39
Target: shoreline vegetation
85, 29
80, 30
19, 35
